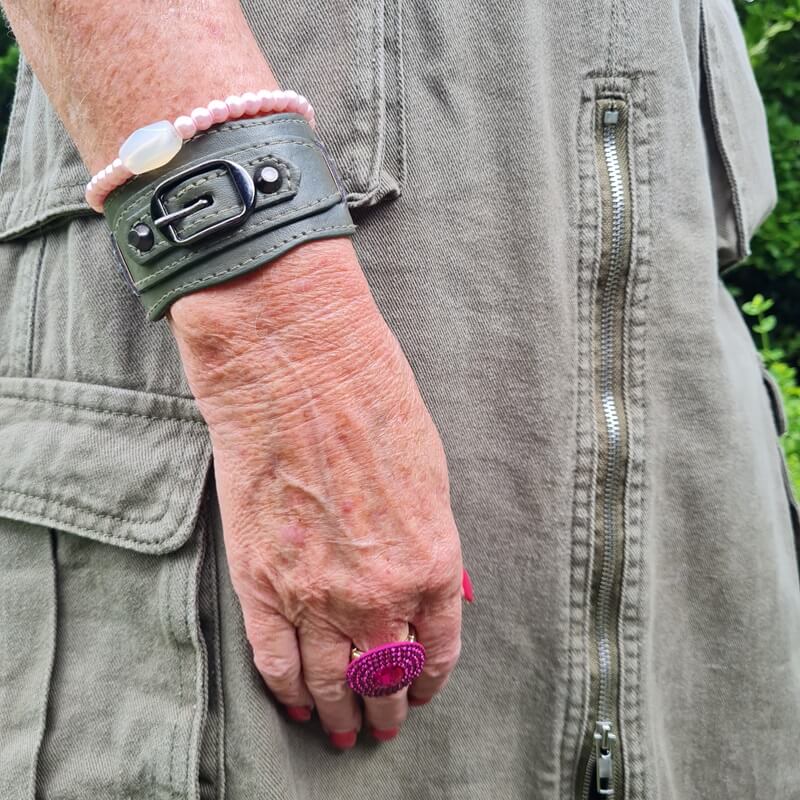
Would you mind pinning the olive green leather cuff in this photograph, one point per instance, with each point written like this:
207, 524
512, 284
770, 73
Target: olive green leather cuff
235, 197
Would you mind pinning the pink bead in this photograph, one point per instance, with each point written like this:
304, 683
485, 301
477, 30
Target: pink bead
121, 169
252, 103
235, 106
185, 126
103, 178
280, 102
202, 118
266, 97
265, 101
219, 111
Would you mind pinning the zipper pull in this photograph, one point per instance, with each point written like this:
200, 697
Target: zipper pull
611, 116
604, 741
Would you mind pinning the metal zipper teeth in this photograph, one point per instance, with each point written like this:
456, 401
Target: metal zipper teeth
614, 451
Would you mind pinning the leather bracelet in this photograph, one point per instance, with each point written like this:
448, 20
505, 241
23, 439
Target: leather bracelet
234, 198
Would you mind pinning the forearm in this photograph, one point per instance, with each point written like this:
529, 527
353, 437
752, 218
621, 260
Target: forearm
110, 67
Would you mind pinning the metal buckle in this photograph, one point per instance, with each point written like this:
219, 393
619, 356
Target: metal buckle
164, 220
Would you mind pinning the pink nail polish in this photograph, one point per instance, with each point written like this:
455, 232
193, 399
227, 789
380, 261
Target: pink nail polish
385, 734
299, 713
418, 701
466, 587
344, 741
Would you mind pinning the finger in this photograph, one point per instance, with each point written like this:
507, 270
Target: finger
277, 657
439, 632
326, 654
386, 714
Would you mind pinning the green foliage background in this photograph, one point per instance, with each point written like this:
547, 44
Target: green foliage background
772, 31
767, 284
8, 72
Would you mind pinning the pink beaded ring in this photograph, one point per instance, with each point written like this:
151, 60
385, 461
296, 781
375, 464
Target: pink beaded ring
157, 144
387, 668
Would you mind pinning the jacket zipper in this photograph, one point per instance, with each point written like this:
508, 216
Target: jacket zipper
602, 775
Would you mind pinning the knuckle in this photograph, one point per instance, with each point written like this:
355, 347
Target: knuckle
444, 581
329, 692
283, 674
442, 663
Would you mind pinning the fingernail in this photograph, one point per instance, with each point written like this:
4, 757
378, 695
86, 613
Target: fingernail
344, 741
299, 713
466, 587
384, 735
418, 701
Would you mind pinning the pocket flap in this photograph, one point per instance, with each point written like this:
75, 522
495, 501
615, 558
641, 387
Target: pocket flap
118, 466
739, 124
42, 176
775, 400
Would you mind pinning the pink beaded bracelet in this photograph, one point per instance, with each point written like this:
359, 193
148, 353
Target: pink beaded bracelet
157, 144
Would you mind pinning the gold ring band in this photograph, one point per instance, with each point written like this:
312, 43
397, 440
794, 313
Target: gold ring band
356, 653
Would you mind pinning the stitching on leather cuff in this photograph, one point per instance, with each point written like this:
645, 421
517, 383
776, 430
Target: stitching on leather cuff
342, 230
231, 201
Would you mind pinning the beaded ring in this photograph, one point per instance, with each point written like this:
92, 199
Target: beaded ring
157, 144
385, 669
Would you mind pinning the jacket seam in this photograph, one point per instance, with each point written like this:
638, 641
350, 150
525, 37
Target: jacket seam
126, 414
33, 307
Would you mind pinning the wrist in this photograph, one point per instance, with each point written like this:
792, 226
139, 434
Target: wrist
99, 146
309, 308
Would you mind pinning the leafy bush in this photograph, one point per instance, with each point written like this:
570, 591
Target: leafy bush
9, 54
772, 32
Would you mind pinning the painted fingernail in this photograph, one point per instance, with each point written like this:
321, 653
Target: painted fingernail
385, 734
344, 741
418, 701
299, 713
466, 587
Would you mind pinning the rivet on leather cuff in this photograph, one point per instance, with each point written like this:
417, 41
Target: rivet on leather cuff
236, 197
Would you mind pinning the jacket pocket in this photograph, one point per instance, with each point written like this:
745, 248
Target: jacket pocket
104, 557
347, 58
740, 163
42, 176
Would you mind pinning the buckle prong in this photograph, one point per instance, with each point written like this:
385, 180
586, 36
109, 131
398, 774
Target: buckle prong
168, 219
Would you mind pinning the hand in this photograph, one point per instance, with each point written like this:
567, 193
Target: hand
332, 482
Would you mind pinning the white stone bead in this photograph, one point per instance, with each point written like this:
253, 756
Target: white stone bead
150, 147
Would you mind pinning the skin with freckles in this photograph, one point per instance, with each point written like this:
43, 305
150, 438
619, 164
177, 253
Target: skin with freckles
332, 479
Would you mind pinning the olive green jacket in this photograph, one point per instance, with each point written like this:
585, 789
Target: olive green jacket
546, 193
